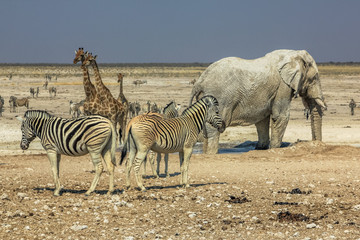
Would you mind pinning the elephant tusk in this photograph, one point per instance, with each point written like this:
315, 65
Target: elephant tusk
321, 103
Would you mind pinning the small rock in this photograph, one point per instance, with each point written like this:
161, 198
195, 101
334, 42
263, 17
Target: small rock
191, 214
79, 227
4, 196
311, 225
329, 201
356, 207
21, 195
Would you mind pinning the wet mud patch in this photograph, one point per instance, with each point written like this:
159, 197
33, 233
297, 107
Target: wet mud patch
296, 191
239, 200
292, 217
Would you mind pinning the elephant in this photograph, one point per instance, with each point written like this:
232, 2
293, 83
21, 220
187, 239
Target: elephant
259, 91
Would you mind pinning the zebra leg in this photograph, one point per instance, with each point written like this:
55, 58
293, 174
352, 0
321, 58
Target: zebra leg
158, 160
98, 171
181, 159
152, 163
185, 166
166, 159
54, 159
140, 156
110, 166
129, 163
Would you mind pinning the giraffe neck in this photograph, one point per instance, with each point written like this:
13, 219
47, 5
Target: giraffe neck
102, 90
89, 88
121, 87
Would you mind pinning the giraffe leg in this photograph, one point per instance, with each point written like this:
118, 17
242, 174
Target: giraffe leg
54, 159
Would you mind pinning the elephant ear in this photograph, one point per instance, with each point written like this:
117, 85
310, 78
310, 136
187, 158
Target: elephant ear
292, 71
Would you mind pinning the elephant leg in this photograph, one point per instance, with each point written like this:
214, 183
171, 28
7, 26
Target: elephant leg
262, 128
278, 127
280, 115
211, 139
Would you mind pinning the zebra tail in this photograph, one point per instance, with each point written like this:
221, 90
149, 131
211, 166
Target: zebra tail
113, 145
126, 142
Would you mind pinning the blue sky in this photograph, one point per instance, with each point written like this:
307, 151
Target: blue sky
138, 31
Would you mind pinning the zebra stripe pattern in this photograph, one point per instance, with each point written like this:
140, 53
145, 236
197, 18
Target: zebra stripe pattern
73, 137
154, 132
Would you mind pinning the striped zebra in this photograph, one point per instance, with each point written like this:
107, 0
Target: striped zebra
154, 132
73, 137
169, 111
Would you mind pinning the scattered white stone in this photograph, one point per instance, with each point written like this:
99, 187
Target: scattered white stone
27, 228
311, 225
311, 185
4, 196
356, 207
78, 227
129, 238
297, 234
329, 201
21, 195
191, 214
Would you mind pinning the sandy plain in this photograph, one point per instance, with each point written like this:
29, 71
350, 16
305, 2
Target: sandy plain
308, 190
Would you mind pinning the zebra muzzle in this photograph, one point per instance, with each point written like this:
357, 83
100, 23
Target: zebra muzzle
24, 146
222, 128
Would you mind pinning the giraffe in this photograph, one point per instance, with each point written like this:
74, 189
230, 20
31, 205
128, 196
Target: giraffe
113, 109
122, 99
92, 101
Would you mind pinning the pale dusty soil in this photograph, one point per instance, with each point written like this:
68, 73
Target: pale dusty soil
309, 190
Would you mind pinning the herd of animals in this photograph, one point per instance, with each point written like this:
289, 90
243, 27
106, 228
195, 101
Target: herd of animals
230, 92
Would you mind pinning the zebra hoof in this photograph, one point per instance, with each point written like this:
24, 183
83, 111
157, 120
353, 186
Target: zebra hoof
87, 193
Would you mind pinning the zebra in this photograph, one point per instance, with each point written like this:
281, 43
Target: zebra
154, 132
1, 105
75, 109
37, 92
169, 111
52, 90
32, 92
18, 102
73, 137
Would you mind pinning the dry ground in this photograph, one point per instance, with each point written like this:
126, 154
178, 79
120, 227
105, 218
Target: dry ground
309, 190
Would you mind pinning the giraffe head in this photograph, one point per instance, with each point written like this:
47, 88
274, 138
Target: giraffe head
79, 55
120, 77
88, 59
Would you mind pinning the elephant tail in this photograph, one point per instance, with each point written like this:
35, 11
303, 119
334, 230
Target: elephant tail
195, 93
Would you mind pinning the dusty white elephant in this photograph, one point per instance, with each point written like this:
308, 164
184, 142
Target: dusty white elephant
259, 92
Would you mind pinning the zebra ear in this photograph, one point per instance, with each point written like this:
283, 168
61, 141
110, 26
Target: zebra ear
19, 118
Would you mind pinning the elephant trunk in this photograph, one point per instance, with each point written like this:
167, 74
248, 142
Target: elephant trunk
316, 122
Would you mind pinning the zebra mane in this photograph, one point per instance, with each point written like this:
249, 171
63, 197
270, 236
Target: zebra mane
168, 105
37, 113
206, 99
